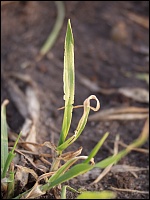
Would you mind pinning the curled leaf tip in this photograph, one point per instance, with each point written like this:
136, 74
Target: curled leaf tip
5, 102
87, 103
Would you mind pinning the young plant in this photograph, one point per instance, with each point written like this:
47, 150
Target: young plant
64, 172
7, 168
63, 166
69, 158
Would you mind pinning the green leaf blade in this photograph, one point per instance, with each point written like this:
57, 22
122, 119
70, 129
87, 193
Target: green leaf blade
62, 169
96, 148
7, 163
82, 122
63, 192
136, 143
71, 173
80, 127
97, 195
11, 185
10, 157
4, 135
69, 85
111, 160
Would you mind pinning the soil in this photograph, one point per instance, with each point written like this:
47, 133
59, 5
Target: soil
105, 53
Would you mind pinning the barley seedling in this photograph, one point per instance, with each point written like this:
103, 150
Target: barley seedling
64, 166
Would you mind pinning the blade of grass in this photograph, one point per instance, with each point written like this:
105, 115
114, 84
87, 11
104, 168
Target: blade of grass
111, 160
68, 78
4, 135
65, 167
138, 142
54, 34
62, 169
96, 148
97, 195
73, 172
82, 122
82, 168
63, 192
11, 185
10, 157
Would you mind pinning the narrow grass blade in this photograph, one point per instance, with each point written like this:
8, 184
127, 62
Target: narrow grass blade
7, 163
82, 122
73, 172
62, 169
11, 185
97, 195
111, 160
63, 192
96, 148
4, 135
10, 157
138, 142
58, 24
66, 143
80, 128
68, 78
